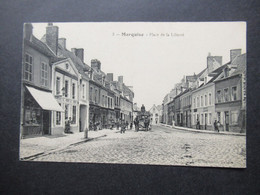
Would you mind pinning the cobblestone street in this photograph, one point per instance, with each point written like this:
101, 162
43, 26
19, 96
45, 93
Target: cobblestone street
160, 146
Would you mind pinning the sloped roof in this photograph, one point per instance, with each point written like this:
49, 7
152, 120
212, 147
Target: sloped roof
240, 61
81, 66
40, 46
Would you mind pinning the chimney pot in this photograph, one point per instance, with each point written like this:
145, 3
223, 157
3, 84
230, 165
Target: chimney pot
234, 53
79, 52
28, 30
52, 34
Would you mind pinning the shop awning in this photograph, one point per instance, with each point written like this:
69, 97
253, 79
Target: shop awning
45, 99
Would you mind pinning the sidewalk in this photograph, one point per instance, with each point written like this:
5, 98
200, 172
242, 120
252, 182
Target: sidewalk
204, 131
32, 147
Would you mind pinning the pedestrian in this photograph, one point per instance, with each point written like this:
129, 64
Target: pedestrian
198, 124
136, 124
127, 124
122, 127
67, 125
131, 125
215, 126
218, 125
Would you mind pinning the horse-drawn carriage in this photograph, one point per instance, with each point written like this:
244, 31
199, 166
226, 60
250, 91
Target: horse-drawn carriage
142, 120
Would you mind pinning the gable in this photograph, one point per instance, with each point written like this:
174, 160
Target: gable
66, 66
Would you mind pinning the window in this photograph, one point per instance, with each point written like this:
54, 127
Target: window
83, 91
234, 117
226, 72
96, 96
28, 67
66, 111
57, 85
74, 112
226, 95
198, 102
66, 88
210, 118
210, 99
90, 94
32, 116
73, 91
234, 93
201, 100
58, 118
219, 96
44, 74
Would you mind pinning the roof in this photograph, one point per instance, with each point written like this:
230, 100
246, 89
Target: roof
81, 66
240, 61
40, 46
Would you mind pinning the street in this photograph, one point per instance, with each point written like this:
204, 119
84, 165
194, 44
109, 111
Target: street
159, 146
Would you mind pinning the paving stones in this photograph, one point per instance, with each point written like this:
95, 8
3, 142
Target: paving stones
162, 146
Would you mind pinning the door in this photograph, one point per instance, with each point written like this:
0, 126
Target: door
46, 122
206, 120
227, 120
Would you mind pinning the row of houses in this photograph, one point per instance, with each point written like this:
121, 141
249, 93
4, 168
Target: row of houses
57, 85
217, 93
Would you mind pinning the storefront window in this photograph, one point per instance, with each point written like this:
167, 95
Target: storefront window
32, 116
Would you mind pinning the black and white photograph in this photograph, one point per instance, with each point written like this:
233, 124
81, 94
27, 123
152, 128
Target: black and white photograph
142, 93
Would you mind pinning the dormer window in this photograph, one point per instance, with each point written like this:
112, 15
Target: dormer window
67, 66
226, 72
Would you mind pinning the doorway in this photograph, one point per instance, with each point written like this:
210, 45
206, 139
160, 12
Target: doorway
46, 122
226, 120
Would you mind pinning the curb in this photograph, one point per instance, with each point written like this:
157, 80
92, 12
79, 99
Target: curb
203, 131
31, 157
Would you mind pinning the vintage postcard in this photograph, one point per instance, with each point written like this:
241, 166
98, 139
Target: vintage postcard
149, 93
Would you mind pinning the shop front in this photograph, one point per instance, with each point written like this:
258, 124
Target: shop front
38, 106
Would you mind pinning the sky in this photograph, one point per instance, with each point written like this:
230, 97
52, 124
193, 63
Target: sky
152, 56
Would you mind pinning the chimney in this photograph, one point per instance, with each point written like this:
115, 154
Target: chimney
234, 53
110, 76
95, 64
27, 31
62, 42
52, 34
120, 79
79, 53
213, 62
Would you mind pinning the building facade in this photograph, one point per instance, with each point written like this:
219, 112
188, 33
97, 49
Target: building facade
38, 103
230, 99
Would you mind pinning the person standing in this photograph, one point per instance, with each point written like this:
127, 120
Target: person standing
215, 126
198, 124
218, 125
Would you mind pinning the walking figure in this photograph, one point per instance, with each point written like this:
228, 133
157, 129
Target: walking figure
198, 124
122, 127
216, 126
